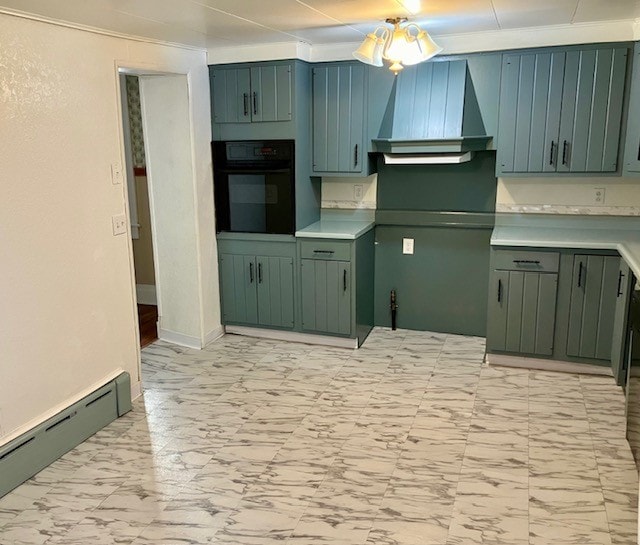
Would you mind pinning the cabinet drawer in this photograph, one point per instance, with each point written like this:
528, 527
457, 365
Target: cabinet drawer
526, 261
321, 249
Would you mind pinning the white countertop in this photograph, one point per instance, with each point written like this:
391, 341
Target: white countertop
335, 228
589, 232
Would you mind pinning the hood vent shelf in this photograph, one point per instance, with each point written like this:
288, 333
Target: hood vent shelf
437, 159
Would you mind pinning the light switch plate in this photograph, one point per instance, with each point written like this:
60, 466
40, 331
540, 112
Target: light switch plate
407, 246
116, 173
119, 224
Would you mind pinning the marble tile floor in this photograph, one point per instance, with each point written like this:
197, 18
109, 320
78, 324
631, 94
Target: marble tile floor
410, 440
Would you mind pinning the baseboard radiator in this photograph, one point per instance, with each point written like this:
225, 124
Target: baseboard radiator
23, 457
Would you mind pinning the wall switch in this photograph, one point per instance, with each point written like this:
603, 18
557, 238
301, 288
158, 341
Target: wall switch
119, 224
358, 192
598, 195
407, 246
116, 173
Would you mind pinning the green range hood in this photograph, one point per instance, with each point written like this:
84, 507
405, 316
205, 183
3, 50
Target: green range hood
432, 117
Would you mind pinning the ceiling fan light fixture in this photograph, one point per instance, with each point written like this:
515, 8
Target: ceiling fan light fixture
401, 46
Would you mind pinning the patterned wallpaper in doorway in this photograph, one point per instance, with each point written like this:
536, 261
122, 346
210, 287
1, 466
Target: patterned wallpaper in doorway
135, 121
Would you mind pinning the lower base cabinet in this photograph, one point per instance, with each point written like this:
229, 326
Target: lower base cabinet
593, 304
336, 285
257, 280
562, 304
326, 296
257, 290
319, 286
523, 312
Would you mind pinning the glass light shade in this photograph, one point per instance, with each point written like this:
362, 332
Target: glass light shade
413, 53
370, 51
398, 45
427, 46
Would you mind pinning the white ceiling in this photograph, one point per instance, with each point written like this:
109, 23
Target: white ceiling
210, 24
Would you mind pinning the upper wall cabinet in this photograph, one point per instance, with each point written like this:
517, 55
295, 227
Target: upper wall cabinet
632, 149
249, 95
338, 119
560, 111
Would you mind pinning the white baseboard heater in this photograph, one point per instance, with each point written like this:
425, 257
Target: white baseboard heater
23, 457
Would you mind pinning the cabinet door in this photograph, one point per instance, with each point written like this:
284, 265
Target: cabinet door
632, 149
275, 291
619, 335
592, 98
271, 93
326, 296
531, 96
592, 306
522, 312
231, 93
338, 118
238, 284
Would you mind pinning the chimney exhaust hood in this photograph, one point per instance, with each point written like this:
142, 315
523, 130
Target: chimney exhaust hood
432, 117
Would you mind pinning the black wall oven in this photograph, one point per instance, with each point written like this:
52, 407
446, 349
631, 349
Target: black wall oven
254, 186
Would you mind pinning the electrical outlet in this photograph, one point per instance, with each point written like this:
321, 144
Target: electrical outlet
119, 224
598, 195
407, 246
116, 174
358, 192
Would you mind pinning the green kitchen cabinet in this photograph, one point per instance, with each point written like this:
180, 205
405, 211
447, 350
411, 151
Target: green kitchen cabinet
632, 147
561, 110
336, 286
522, 303
257, 279
257, 290
339, 98
326, 296
260, 93
238, 289
592, 306
619, 336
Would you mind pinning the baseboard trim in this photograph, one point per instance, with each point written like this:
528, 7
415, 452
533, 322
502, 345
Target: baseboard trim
180, 339
29, 453
214, 334
146, 294
292, 336
504, 360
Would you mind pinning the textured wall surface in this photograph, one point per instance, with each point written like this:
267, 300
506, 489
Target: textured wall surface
68, 320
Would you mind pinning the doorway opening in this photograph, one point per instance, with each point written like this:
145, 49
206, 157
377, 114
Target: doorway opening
139, 210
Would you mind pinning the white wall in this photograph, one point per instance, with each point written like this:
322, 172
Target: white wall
67, 315
174, 213
569, 195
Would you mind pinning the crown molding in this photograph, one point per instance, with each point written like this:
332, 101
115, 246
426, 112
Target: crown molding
94, 30
475, 42
262, 52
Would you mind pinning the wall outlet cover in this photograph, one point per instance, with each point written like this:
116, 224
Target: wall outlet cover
407, 246
119, 224
358, 192
598, 195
